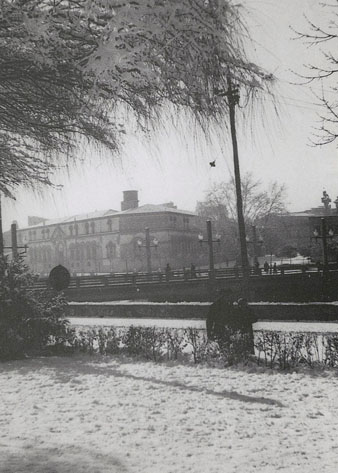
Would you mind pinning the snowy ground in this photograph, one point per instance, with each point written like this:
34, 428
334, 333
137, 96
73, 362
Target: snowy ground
314, 327
105, 415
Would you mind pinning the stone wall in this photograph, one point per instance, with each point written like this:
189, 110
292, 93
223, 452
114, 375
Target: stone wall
264, 311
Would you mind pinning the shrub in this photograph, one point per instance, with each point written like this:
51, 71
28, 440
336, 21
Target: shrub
234, 346
147, 342
198, 342
30, 321
331, 350
175, 342
288, 350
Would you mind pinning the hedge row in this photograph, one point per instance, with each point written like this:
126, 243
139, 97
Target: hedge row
273, 349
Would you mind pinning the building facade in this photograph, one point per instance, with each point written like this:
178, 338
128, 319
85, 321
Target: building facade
113, 241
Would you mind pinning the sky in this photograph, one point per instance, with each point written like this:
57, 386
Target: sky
174, 164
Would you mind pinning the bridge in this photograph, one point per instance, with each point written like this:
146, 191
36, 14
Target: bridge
291, 284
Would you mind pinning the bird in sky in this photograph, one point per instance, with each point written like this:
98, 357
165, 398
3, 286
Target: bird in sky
213, 164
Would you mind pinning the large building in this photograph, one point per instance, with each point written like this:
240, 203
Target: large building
113, 241
298, 229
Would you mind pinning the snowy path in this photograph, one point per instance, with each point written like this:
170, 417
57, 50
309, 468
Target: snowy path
96, 415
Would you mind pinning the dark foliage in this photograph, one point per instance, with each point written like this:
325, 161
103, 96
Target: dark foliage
75, 68
31, 322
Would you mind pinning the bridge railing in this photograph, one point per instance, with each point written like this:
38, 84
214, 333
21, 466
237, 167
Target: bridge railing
139, 278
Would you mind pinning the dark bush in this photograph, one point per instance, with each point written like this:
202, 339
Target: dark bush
30, 321
147, 342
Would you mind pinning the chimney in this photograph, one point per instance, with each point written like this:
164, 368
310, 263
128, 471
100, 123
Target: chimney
32, 220
130, 200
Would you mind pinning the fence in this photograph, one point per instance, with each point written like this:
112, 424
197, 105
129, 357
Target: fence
123, 279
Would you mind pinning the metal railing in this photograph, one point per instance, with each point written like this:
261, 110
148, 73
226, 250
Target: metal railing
179, 276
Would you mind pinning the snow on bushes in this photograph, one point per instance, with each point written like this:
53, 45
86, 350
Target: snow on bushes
273, 349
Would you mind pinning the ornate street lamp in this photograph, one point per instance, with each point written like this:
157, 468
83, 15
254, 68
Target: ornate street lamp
324, 235
148, 245
210, 242
255, 242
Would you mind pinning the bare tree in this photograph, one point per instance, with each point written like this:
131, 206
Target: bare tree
323, 38
80, 68
258, 204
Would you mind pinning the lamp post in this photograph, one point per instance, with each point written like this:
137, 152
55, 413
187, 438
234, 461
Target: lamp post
255, 243
325, 234
148, 247
14, 247
210, 242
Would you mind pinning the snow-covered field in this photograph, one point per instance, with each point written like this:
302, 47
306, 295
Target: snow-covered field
106, 415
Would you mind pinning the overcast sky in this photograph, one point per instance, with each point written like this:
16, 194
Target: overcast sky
174, 166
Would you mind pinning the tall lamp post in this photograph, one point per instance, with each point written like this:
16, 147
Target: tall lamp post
148, 247
324, 235
210, 242
255, 243
15, 246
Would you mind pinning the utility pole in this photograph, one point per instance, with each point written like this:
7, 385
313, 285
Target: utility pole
233, 100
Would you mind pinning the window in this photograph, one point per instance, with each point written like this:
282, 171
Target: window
72, 252
110, 225
92, 227
173, 220
76, 229
111, 250
71, 230
87, 228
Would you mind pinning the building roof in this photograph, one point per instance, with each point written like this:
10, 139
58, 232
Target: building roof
73, 218
143, 209
154, 208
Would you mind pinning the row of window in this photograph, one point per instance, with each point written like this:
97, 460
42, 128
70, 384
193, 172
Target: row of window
73, 230
89, 228
40, 255
76, 252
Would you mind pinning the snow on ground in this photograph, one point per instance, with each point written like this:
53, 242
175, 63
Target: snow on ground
315, 327
106, 415
131, 303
